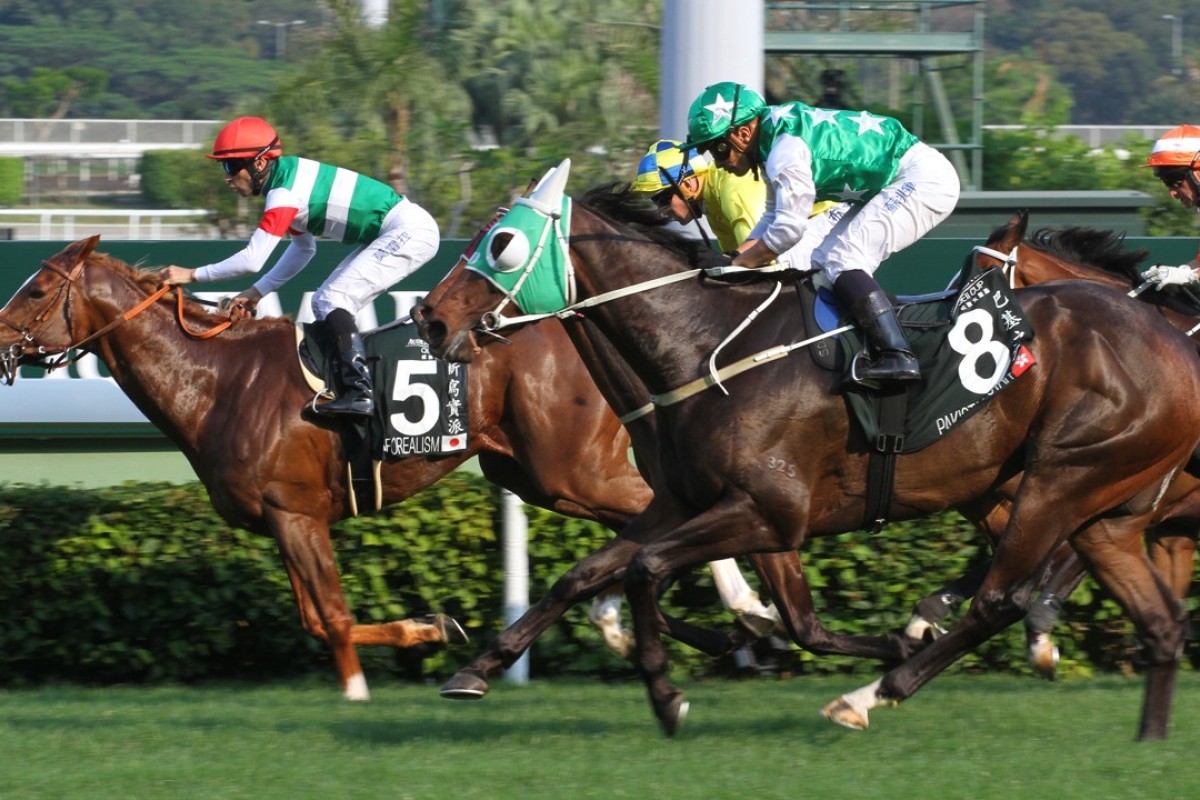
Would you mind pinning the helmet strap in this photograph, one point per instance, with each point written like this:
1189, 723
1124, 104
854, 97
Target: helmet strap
258, 177
696, 206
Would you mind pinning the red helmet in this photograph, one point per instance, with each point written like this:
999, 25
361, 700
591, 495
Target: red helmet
1178, 147
246, 137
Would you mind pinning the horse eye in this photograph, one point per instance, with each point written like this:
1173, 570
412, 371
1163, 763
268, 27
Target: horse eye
36, 294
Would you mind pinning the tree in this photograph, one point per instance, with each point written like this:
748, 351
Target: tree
50, 93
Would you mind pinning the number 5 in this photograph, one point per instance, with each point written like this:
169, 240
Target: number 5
404, 388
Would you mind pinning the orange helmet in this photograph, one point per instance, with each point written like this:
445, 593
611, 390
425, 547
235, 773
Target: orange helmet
1178, 147
246, 137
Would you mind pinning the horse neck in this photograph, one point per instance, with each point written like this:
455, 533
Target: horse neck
660, 336
176, 381
621, 388
1035, 266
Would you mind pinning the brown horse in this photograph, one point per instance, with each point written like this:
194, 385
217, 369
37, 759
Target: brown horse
1079, 253
237, 411
1082, 445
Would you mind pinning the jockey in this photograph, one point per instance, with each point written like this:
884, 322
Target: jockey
1175, 160
897, 188
686, 188
306, 199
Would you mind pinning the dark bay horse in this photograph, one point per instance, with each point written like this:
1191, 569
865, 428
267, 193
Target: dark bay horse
235, 408
1082, 445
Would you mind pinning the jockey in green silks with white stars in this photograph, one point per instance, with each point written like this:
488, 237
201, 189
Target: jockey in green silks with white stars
898, 189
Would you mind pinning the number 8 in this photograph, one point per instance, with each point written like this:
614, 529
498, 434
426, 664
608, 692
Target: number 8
972, 351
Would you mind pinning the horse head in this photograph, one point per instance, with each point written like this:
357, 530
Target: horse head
498, 271
36, 324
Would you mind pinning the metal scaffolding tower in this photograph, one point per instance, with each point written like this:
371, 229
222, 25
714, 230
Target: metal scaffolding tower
860, 28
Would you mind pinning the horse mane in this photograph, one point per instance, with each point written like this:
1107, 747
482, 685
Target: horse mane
1101, 249
148, 279
619, 203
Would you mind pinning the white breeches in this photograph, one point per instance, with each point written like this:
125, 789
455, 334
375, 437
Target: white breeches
923, 193
408, 239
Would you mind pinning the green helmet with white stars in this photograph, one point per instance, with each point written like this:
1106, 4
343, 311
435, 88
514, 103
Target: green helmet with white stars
719, 108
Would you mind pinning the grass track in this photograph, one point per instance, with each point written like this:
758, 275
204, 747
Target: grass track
964, 736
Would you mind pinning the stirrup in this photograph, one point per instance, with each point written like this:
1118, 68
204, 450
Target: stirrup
899, 376
349, 404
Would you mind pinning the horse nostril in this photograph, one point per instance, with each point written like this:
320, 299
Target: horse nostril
434, 332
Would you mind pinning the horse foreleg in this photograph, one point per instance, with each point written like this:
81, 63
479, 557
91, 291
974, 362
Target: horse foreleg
730, 527
308, 557
583, 581
312, 619
756, 619
783, 576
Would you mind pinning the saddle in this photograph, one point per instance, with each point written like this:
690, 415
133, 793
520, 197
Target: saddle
421, 402
970, 342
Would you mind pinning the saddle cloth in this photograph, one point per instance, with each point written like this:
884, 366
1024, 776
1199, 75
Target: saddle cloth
970, 343
421, 402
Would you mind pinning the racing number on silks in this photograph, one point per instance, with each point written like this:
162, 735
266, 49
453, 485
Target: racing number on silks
405, 387
980, 323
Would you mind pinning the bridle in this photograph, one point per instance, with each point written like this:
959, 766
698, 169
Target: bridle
31, 350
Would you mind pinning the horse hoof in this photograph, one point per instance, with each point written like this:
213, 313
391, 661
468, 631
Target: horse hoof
452, 632
1044, 658
673, 714
465, 685
761, 625
844, 714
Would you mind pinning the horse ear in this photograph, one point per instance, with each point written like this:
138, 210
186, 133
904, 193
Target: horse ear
1014, 232
76, 252
549, 192
1021, 223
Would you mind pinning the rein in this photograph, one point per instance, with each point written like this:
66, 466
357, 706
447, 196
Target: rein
69, 278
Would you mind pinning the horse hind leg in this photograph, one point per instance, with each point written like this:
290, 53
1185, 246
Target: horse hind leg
605, 614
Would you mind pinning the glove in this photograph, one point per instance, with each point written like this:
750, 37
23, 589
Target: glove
1162, 276
238, 308
709, 259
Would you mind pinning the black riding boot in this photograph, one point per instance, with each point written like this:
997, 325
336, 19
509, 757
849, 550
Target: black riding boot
893, 360
355, 377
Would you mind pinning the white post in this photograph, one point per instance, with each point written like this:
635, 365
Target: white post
706, 42
516, 574
374, 13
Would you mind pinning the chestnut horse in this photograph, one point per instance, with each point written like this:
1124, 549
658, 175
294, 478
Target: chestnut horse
1083, 444
236, 410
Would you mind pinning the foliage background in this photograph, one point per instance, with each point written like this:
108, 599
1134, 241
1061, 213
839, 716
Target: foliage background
144, 583
460, 103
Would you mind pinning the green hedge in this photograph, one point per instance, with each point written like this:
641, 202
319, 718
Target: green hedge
144, 583
12, 181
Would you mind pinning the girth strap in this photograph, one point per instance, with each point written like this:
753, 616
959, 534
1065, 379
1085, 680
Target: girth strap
881, 464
